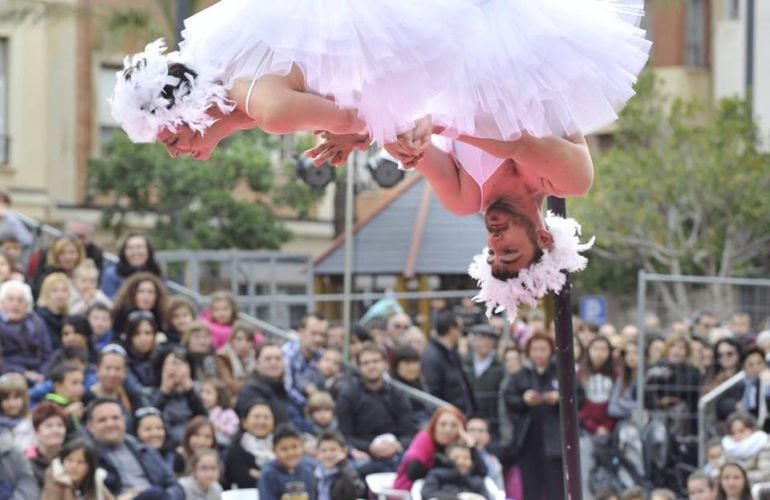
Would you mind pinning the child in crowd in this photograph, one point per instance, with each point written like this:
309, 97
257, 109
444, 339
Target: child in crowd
330, 366
662, 494
200, 351
700, 486
478, 428
218, 402
181, 312
320, 414
238, 357
733, 482
596, 375
220, 316
290, 476
715, 457
68, 393
177, 399
337, 480
74, 474
203, 481
100, 318
75, 355
199, 435
14, 410
8, 269
450, 479
85, 278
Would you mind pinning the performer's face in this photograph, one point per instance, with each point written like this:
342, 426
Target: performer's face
179, 142
511, 239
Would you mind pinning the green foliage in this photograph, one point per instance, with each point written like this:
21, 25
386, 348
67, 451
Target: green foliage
682, 190
193, 200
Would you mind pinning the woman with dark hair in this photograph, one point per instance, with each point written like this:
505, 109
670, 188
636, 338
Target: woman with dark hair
252, 447
405, 368
139, 340
141, 292
199, 435
726, 363
150, 429
75, 474
596, 376
136, 254
623, 397
733, 483
749, 445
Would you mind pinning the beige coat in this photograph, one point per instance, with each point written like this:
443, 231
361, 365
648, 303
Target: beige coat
58, 485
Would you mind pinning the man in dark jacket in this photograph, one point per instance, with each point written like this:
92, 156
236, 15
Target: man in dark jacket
485, 373
374, 418
442, 368
131, 466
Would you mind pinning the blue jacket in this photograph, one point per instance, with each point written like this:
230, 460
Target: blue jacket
276, 481
111, 280
158, 473
28, 351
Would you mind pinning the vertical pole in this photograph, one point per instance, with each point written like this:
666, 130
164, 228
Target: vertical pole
182, 13
347, 283
641, 304
565, 355
750, 15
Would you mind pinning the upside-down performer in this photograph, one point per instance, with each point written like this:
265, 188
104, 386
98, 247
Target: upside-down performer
391, 69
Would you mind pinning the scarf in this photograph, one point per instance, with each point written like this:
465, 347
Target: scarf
261, 448
746, 448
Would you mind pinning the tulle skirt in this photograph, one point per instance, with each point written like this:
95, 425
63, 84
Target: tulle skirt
485, 68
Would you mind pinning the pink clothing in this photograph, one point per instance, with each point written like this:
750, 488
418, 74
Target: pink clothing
423, 450
220, 333
225, 421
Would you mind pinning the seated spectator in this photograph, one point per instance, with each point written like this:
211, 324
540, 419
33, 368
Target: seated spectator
374, 417
320, 412
656, 349
396, 326
11, 224
11, 247
68, 355
141, 292
177, 399
14, 410
75, 334
238, 358
100, 318
200, 351
140, 338
68, 392
442, 367
358, 337
50, 423
180, 312
252, 448
702, 355
150, 430
484, 373
662, 494
220, 316
132, 467
17, 480
727, 362
217, 402
747, 444
267, 384
733, 483
478, 429
301, 357
290, 474
135, 255
24, 340
85, 279
74, 474
453, 476
112, 381
715, 457
755, 368
84, 232
203, 481
53, 305
446, 426
331, 368
8, 268
405, 368
337, 480
623, 397
199, 435
335, 336
596, 378
63, 257
700, 486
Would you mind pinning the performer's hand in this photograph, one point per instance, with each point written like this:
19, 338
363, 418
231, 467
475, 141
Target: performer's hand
400, 153
416, 140
335, 148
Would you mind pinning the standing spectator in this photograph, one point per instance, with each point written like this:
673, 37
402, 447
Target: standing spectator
740, 327
220, 316
656, 349
50, 423
512, 364
11, 224
755, 368
533, 397
53, 304
301, 357
373, 416
702, 324
252, 448
24, 340
266, 383
358, 337
17, 481
396, 327
485, 373
727, 362
596, 377
733, 483
405, 368
140, 292
132, 467
14, 410
415, 338
74, 475
623, 397
85, 279
237, 358
135, 255
203, 481
200, 351
63, 257
442, 368
180, 313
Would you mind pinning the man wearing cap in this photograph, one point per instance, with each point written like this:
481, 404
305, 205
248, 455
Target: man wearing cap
485, 373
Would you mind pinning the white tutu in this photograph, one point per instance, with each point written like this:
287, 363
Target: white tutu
487, 68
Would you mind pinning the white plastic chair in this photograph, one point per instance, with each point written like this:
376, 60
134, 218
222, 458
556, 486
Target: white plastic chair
381, 485
241, 494
417, 489
492, 489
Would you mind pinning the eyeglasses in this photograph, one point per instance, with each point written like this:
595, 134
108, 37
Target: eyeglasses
139, 314
401, 326
146, 411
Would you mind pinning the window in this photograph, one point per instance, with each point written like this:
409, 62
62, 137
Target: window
695, 34
107, 124
5, 141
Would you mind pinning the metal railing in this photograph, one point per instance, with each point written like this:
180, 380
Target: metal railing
705, 403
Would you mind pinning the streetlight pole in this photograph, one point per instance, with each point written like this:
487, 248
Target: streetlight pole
182, 13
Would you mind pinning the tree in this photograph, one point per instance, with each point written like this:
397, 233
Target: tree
193, 200
681, 191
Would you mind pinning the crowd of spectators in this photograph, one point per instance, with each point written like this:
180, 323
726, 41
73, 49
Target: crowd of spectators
112, 388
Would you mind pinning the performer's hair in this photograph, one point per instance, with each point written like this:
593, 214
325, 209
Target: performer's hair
175, 69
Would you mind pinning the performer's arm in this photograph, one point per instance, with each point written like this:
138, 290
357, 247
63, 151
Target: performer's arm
565, 163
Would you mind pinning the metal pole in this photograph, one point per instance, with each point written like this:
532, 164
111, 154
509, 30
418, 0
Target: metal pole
347, 283
750, 14
565, 355
641, 303
182, 13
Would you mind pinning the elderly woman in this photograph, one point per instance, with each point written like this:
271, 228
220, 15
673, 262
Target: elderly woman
24, 339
